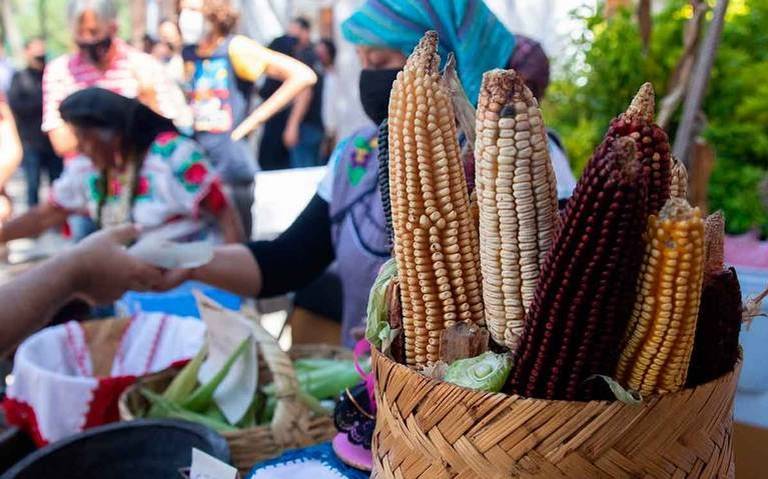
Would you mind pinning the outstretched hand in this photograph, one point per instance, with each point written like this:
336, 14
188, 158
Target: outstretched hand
104, 270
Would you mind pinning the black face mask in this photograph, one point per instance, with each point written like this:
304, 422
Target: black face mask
40, 59
96, 51
375, 87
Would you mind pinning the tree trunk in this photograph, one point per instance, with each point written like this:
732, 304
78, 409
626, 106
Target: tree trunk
11, 30
138, 9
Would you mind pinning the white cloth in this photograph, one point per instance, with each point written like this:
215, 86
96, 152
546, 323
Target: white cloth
307, 469
53, 373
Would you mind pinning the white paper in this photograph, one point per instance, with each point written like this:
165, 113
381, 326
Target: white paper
226, 330
205, 466
171, 255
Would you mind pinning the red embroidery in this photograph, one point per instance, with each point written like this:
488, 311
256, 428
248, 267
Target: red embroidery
195, 174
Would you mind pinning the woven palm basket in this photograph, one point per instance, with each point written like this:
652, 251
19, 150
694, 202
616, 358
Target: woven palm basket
428, 429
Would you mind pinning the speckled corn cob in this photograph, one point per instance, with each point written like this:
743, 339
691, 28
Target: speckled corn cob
586, 288
517, 200
716, 347
383, 157
436, 245
651, 142
659, 340
679, 183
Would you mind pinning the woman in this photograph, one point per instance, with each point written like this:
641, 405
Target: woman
220, 71
344, 221
137, 169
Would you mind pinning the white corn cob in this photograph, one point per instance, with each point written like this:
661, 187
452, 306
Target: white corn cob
517, 199
679, 186
435, 241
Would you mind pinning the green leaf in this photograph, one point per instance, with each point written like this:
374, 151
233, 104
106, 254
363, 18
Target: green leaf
627, 396
202, 398
487, 372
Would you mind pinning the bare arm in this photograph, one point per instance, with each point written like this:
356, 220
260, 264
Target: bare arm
63, 140
295, 76
33, 223
298, 112
231, 226
98, 269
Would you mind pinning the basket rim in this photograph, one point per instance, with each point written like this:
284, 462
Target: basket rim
729, 376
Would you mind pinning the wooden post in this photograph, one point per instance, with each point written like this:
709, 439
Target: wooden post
646, 23
686, 132
702, 164
138, 9
325, 22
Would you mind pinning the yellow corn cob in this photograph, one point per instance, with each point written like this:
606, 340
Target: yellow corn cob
435, 241
659, 340
679, 186
517, 200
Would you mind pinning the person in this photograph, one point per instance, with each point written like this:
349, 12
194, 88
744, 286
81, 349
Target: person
170, 39
344, 222
301, 29
99, 270
138, 169
25, 97
103, 60
10, 156
220, 71
6, 71
326, 54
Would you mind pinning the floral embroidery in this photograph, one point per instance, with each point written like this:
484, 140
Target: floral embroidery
143, 188
193, 172
165, 144
364, 148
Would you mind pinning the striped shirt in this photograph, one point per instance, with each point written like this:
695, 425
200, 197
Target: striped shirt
131, 73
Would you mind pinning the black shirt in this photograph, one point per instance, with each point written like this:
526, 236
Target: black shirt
25, 97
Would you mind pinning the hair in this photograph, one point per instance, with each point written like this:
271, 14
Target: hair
222, 15
302, 22
104, 9
331, 47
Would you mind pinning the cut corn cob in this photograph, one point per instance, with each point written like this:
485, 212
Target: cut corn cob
652, 144
517, 200
659, 341
679, 186
436, 245
586, 288
716, 347
383, 157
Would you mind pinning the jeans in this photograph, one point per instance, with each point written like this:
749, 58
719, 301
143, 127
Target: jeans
307, 152
81, 226
242, 197
34, 162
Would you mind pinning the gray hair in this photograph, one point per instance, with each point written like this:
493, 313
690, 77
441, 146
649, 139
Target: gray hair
104, 9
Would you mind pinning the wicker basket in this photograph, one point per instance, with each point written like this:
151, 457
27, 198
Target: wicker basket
429, 429
292, 425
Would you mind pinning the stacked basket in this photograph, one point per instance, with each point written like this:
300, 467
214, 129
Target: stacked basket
614, 323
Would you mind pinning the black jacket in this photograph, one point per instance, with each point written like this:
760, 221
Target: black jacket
25, 97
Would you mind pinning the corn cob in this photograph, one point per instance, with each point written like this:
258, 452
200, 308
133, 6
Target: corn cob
659, 341
586, 288
679, 183
383, 157
436, 245
652, 144
474, 209
716, 347
517, 200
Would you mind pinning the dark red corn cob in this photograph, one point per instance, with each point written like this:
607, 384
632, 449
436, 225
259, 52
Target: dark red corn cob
716, 347
383, 157
652, 144
586, 291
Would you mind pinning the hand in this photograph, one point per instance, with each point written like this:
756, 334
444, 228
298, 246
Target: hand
291, 136
6, 207
103, 270
172, 278
243, 129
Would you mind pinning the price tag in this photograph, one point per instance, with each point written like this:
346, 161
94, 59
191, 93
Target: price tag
205, 466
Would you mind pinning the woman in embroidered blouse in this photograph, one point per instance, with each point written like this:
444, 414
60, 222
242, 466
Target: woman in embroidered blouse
138, 170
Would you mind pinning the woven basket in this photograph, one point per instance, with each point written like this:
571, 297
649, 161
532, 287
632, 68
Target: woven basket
429, 429
292, 426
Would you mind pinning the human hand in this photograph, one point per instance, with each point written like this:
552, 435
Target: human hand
172, 278
243, 129
291, 136
103, 270
6, 207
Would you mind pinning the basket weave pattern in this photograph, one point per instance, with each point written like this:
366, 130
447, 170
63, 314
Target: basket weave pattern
430, 429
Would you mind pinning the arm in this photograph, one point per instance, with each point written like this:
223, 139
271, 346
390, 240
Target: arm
33, 223
250, 60
298, 112
270, 268
57, 85
63, 140
10, 145
231, 226
98, 269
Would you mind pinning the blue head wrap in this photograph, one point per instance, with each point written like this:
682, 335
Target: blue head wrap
466, 27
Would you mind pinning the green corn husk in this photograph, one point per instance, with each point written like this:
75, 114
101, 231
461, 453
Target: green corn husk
163, 408
487, 372
186, 380
202, 398
325, 383
313, 364
378, 308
